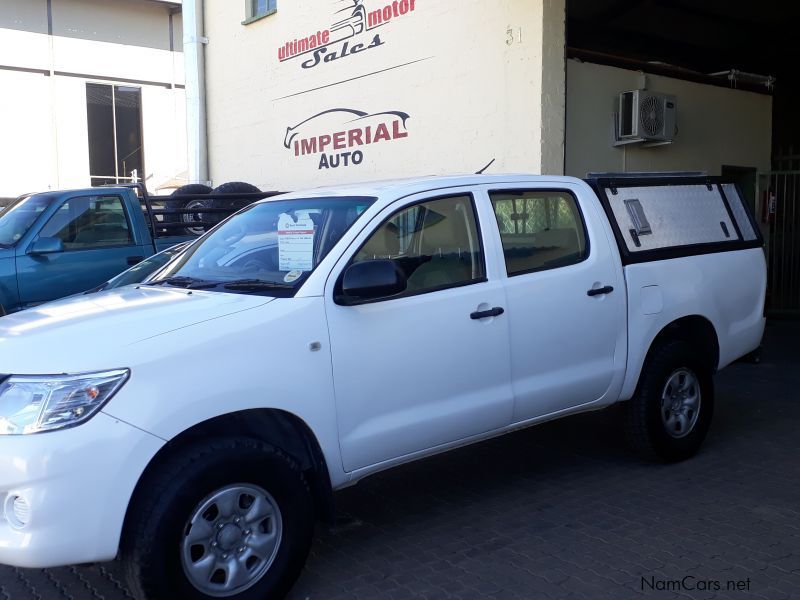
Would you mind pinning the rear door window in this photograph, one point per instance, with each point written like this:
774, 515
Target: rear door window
539, 230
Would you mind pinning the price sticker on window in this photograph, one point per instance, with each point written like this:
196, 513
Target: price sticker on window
295, 243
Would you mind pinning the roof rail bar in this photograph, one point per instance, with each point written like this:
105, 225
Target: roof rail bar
634, 174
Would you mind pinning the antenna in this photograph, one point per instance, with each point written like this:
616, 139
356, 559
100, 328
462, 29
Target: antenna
486, 167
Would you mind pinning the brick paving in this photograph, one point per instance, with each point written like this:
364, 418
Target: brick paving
563, 511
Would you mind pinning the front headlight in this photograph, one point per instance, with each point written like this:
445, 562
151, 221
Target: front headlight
36, 403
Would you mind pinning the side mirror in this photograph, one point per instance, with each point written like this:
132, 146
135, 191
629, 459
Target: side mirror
371, 279
46, 245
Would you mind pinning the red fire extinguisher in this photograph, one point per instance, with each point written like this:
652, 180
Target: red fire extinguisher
769, 205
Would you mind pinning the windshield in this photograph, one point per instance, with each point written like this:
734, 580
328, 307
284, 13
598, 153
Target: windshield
18, 217
269, 247
141, 271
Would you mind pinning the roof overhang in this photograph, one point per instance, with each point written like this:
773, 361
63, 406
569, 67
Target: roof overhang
171, 3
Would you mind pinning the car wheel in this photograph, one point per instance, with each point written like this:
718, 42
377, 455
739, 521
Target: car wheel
228, 519
232, 204
671, 412
189, 219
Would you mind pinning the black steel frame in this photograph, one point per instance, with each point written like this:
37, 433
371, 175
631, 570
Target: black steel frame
151, 212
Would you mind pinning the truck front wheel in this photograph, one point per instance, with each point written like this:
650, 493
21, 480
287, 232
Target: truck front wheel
670, 414
229, 519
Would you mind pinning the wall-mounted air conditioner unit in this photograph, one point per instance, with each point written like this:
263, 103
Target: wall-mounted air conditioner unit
646, 118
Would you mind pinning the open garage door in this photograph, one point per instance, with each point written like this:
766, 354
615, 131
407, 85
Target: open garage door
747, 47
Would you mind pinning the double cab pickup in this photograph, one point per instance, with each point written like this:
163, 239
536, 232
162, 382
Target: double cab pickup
197, 425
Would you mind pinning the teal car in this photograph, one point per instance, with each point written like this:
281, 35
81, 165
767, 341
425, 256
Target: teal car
61, 243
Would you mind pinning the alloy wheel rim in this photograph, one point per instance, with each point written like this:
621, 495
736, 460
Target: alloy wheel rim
231, 539
680, 403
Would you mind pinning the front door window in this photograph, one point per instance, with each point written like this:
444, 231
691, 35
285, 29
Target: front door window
90, 222
435, 244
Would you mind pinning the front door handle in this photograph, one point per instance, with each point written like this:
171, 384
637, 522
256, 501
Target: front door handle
485, 314
134, 260
600, 291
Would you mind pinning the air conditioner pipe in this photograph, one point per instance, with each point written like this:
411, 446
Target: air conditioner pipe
194, 42
735, 75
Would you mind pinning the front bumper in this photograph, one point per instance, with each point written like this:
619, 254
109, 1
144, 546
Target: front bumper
77, 484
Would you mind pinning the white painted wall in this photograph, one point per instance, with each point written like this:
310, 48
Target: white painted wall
470, 75
164, 125
26, 141
122, 22
553, 87
43, 131
717, 126
72, 133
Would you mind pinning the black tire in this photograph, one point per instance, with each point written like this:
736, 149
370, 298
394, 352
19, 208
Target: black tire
159, 513
646, 429
186, 190
232, 204
192, 188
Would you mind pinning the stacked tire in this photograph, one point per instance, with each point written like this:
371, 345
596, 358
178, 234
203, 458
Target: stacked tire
232, 204
191, 220
188, 219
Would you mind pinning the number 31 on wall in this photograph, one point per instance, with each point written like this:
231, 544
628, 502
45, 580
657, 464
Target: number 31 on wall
514, 35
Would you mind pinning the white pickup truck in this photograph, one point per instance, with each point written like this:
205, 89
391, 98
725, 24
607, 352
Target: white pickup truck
197, 425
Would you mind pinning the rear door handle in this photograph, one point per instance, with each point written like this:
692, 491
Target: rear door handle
134, 260
485, 314
600, 291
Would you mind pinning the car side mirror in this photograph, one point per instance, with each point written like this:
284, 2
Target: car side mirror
46, 245
371, 279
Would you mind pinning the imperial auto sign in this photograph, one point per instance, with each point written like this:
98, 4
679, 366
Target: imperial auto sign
339, 137
351, 90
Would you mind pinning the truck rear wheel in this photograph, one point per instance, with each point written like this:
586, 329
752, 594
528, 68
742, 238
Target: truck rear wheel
228, 519
671, 412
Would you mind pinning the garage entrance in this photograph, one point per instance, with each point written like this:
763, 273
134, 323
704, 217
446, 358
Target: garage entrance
734, 44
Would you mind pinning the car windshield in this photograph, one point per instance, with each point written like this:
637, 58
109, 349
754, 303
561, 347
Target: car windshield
140, 272
270, 248
18, 217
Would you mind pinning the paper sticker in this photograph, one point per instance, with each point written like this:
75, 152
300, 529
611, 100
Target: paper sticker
292, 276
295, 243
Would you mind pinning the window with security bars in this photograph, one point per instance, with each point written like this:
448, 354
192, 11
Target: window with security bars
539, 230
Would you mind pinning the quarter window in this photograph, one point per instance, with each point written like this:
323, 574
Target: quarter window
539, 230
435, 244
90, 222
